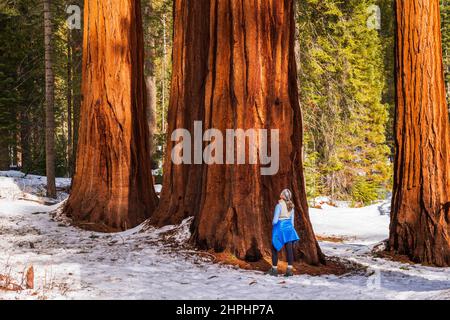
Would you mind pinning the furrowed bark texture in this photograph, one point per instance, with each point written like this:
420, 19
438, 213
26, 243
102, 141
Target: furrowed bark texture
241, 74
421, 202
112, 188
182, 185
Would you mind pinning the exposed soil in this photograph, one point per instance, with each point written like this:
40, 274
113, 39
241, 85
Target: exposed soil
333, 266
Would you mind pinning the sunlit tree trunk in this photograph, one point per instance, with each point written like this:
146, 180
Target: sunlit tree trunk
420, 219
150, 79
112, 188
234, 68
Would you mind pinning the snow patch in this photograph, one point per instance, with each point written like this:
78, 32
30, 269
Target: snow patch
150, 263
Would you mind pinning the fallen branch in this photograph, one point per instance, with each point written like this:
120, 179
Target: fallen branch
6, 284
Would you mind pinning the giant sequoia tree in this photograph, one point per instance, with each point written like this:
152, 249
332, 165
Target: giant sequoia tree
112, 186
234, 68
420, 220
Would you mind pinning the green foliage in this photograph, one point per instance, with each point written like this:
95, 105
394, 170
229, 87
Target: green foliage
21, 78
22, 63
158, 25
364, 191
445, 13
342, 82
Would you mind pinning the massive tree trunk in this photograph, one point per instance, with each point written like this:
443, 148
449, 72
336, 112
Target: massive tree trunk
234, 68
49, 104
182, 184
420, 219
112, 188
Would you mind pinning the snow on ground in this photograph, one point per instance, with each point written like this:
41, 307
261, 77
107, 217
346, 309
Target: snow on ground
16, 185
360, 225
70, 263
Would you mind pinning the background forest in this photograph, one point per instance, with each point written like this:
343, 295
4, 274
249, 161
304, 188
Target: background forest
346, 78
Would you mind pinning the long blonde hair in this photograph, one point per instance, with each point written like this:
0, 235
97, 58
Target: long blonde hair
287, 195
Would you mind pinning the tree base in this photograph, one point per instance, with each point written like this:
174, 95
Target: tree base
395, 256
330, 267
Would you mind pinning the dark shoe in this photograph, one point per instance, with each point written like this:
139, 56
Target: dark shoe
289, 273
272, 272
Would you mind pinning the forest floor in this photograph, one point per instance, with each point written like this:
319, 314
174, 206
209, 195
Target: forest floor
70, 263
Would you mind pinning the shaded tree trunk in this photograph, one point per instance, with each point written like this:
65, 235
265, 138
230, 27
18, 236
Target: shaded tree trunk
69, 104
4, 151
25, 133
76, 53
420, 219
49, 104
112, 188
182, 185
236, 70
76, 104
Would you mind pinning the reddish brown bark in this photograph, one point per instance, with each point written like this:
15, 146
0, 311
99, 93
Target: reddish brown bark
240, 74
112, 187
420, 219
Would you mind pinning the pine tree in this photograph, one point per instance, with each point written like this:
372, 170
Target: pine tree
341, 81
8, 96
21, 79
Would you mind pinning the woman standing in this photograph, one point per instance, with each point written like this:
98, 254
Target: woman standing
283, 232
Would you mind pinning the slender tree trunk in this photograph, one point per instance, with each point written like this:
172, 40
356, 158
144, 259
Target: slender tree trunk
236, 70
164, 72
150, 80
25, 135
76, 49
69, 104
49, 104
420, 219
4, 151
77, 43
112, 188
151, 110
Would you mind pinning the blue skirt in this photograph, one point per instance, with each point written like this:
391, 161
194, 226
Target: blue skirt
282, 233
